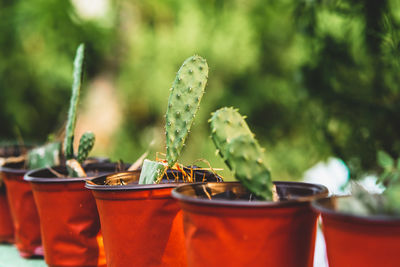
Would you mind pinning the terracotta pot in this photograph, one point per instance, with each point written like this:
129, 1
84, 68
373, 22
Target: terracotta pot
358, 241
68, 217
23, 210
223, 227
6, 224
141, 224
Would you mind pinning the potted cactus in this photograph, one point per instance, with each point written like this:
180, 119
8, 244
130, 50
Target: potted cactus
68, 215
141, 201
364, 228
16, 162
253, 222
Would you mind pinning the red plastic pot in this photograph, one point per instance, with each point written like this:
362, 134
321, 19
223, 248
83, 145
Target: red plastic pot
141, 224
358, 241
68, 217
224, 228
23, 210
6, 224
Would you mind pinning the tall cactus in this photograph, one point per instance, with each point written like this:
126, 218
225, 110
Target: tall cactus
87, 139
184, 101
241, 151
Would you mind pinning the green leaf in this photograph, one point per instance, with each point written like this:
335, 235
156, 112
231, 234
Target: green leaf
152, 172
385, 160
44, 156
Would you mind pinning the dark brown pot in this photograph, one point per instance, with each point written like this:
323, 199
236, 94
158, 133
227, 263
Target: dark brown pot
358, 241
141, 224
224, 228
68, 217
23, 211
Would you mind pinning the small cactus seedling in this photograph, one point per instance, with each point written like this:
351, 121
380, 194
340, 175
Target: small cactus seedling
184, 100
241, 151
86, 144
87, 140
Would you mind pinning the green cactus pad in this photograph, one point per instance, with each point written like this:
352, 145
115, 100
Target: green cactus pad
240, 150
76, 87
226, 124
86, 144
151, 172
184, 100
246, 158
44, 156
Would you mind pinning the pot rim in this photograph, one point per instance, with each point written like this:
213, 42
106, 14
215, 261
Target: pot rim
323, 191
130, 187
318, 206
13, 170
30, 175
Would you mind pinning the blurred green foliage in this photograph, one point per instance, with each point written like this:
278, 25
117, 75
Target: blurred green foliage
316, 78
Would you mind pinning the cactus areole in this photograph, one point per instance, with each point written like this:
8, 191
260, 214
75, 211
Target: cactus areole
240, 150
184, 101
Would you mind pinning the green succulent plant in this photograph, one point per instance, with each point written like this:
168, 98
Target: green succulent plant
241, 152
87, 140
183, 103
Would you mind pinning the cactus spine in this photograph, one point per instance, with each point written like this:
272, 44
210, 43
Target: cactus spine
76, 88
86, 144
184, 100
241, 151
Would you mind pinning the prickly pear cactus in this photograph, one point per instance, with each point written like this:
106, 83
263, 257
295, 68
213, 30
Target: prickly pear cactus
226, 124
44, 156
85, 146
241, 151
184, 100
76, 88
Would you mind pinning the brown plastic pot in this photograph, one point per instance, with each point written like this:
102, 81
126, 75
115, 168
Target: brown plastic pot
24, 213
141, 224
358, 241
224, 226
68, 216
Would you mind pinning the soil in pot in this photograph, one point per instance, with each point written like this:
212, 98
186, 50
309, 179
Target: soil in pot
68, 216
358, 240
141, 224
225, 225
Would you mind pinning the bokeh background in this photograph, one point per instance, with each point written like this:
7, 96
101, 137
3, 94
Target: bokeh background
316, 79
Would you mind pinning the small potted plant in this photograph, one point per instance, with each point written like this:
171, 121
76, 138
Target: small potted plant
17, 161
254, 222
364, 229
68, 215
140, 221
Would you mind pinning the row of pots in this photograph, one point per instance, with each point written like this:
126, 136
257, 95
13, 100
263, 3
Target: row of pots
143, 225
